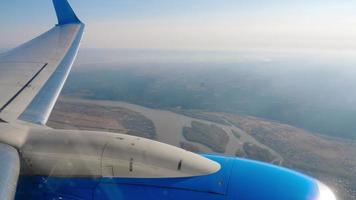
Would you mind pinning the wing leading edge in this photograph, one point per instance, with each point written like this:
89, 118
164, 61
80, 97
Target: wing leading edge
33, 74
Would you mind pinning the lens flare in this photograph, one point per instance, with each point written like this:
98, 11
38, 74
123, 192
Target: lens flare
325, 193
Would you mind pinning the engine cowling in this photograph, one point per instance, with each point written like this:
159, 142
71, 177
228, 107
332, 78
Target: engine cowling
64, 153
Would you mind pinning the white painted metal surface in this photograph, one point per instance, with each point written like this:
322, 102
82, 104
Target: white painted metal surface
9, 171
62, 153
31, 78
37, 60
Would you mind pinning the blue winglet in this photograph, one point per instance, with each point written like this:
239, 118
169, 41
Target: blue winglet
65, 13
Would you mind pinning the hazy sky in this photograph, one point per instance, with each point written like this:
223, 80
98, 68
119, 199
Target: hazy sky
192, 24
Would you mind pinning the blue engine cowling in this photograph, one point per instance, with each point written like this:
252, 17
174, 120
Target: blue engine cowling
238, 179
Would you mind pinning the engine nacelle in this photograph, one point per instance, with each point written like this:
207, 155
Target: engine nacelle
63, 153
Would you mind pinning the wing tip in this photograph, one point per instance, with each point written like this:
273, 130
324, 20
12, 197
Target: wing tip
65, 13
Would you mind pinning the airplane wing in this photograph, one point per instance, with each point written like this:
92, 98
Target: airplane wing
33, 74
41, 163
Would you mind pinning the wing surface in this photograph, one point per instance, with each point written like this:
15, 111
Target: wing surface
33, 74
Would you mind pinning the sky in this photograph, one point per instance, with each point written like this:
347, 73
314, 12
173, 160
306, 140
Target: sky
192, 24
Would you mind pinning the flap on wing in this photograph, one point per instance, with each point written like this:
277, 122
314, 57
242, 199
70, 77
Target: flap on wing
22, 76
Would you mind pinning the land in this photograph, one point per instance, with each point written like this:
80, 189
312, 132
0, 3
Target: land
84, 116
209, 135
312, 97
189, 147
332, 160
293, 110
197, 114
257, 153
236, 134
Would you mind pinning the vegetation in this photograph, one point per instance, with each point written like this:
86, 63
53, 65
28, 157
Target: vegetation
201, 115
258, 153
189, 147
211, 136
236, 134
93, 117
230, 88
240, 153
